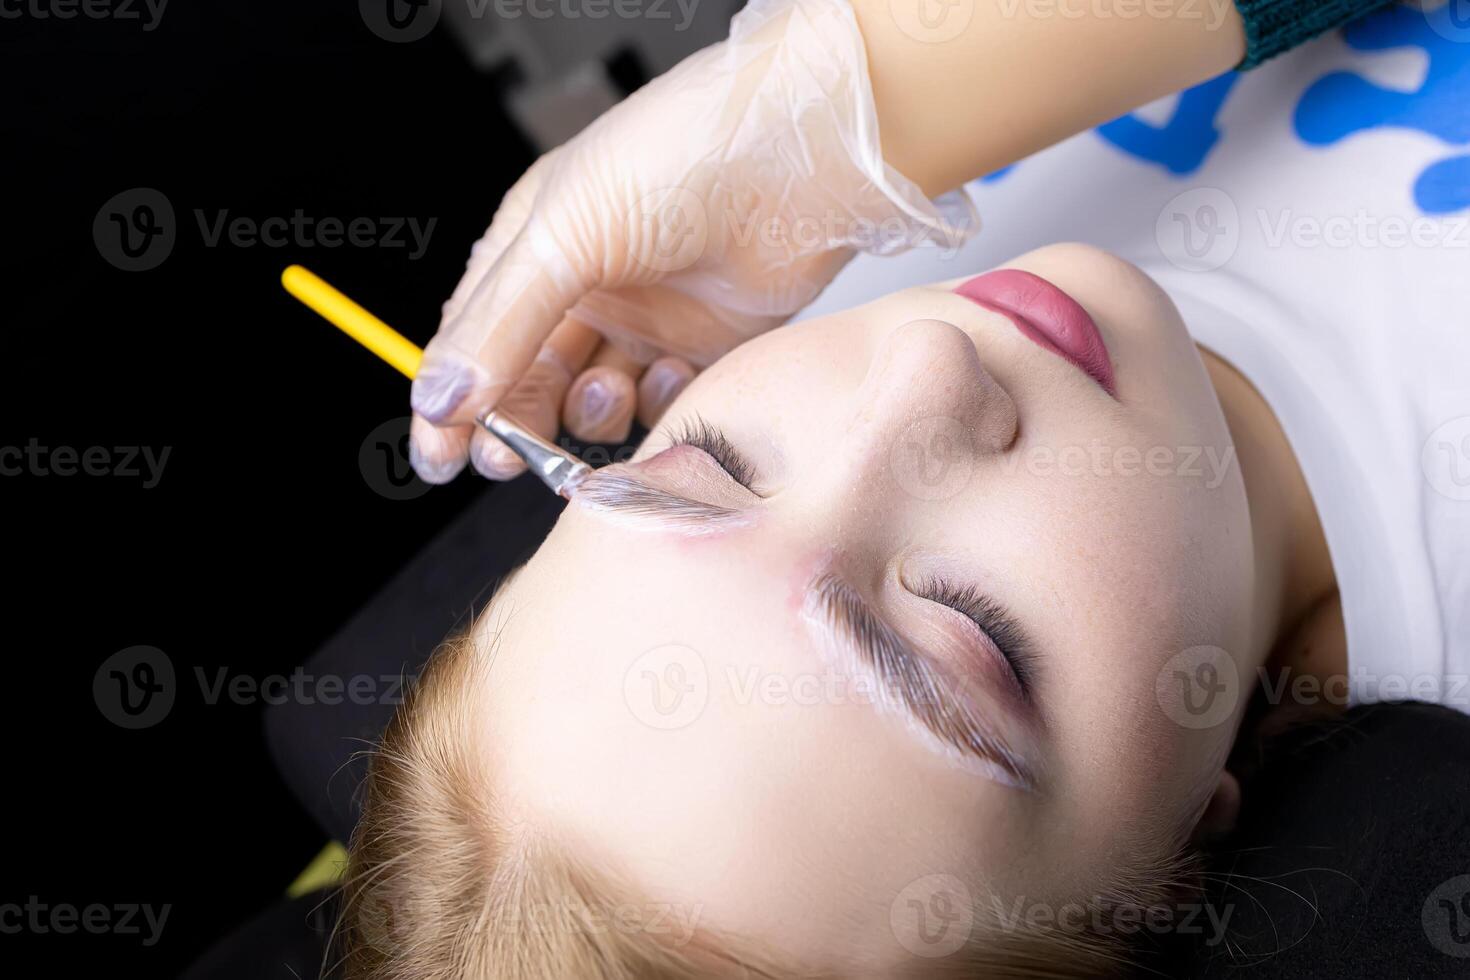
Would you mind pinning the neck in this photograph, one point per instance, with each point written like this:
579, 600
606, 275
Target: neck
1299, 621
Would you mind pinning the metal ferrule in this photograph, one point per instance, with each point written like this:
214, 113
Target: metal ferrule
557, 468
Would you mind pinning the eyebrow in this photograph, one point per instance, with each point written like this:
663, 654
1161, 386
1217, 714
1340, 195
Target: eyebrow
610, 490
924, 692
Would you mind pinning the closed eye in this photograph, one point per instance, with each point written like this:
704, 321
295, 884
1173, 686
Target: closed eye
711, 440
925, 692
994, 622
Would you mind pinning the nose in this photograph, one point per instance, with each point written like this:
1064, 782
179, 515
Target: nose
929, 371
925, 416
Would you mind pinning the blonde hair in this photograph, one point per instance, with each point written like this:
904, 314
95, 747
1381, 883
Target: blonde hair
441, 886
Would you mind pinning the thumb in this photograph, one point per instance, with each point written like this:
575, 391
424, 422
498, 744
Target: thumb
493, 336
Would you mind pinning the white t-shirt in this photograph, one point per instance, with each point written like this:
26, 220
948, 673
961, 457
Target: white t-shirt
1311, 219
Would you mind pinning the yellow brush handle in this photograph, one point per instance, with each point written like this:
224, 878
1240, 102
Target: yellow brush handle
554, 466
353, 320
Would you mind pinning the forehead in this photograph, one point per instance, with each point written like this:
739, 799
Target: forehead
695, 746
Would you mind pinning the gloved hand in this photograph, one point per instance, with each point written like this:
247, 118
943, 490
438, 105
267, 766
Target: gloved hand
706, 208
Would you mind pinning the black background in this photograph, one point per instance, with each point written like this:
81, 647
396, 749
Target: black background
263, 533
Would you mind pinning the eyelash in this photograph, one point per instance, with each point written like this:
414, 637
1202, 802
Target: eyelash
702, 435
984, 613
965, 600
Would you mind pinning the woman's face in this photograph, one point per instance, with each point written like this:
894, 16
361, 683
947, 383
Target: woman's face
914, 640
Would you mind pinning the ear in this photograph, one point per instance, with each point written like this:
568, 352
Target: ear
1221, 812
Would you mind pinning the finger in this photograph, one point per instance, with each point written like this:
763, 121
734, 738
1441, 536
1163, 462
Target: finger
478, 355
660, 385
665, 320
536, 399
437, 454
509, 219
600, 404
613, 355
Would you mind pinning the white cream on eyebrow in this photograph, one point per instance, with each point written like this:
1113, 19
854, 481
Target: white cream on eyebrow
619, 495
836, 646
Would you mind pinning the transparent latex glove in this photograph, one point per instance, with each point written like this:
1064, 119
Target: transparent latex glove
706, 208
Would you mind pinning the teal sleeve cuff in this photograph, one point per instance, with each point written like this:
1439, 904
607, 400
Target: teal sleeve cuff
1274, 26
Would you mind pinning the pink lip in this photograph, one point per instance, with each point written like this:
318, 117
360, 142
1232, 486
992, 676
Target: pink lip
1048, 316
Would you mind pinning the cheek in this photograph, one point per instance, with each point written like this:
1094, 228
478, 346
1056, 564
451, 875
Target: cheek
1167, 575
761, 387
825, 356
1142, 586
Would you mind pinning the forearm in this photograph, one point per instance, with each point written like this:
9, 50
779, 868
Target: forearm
1024, 74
